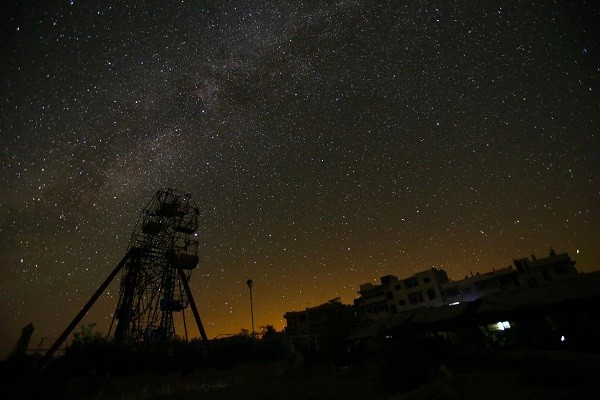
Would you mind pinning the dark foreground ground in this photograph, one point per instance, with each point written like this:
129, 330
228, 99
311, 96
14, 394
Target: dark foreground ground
479, 375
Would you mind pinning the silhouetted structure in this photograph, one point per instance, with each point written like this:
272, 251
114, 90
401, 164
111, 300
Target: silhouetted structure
562, 315
20, 348
163, 250
393, 295
154, 280
249, 283
527, 273
479, 285
539, 272
329, 323
537, 303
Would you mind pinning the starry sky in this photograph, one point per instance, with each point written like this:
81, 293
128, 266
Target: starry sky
327, 143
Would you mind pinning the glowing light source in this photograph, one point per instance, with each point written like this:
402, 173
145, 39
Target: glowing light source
499, 326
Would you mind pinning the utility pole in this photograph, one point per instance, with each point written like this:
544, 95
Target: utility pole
249, 283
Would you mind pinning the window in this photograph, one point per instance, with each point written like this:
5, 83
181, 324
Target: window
431, 294
411, 283
398, 287
389, 295
561, 269
427, 279
414, 298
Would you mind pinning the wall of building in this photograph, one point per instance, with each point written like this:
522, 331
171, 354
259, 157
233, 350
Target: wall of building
476, 286
536, 272
393, 295
430, 288
326, 319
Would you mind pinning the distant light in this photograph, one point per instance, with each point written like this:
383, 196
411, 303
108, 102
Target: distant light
455, 303
562, 338
390, 336
500, 326
577, 251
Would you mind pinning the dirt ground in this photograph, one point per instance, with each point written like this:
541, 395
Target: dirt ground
490, 376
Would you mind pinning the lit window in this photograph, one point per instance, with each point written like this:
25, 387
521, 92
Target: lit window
499, 326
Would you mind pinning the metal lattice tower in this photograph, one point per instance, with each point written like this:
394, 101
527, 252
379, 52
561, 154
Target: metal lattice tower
163, 250
155, 273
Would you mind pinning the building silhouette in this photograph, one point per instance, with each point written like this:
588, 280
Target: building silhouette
479, 285
536, 272
525, 273
510, 298
322, 327
393, 295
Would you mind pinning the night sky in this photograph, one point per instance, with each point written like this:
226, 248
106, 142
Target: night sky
327, 143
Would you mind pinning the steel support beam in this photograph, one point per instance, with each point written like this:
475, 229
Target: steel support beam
192, 304
86, 308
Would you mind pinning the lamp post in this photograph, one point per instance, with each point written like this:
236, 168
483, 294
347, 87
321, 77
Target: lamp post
249, 283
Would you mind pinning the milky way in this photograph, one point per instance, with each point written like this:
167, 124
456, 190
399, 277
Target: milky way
327, 143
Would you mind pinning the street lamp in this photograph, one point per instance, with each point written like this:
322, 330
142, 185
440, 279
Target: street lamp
249, 283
